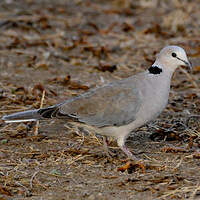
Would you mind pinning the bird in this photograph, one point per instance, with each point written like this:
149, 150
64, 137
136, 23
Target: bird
118, 108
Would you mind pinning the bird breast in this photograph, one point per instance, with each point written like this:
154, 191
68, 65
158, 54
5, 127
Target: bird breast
154, 94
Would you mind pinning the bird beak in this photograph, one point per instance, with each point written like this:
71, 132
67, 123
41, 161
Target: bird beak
186, 63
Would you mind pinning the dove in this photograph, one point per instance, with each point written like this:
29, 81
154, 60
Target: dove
117, 108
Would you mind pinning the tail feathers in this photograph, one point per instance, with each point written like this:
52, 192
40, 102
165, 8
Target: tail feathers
30, 115
33, 115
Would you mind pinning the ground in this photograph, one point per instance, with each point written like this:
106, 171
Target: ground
67, 47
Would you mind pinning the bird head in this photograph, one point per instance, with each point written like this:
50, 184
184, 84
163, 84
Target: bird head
172, 57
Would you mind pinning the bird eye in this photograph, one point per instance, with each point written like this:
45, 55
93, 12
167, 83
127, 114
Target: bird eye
173, 54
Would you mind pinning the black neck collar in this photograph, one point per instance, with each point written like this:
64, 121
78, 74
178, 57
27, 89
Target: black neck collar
154, 70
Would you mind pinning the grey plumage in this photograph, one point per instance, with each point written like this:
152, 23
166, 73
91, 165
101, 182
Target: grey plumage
118, 108
92, 109
29, 115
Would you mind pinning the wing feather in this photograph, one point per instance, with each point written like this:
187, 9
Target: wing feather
115, 104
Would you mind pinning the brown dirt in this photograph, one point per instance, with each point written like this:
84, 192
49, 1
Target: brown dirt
65, 47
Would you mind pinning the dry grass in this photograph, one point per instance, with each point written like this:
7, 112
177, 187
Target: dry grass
66, 47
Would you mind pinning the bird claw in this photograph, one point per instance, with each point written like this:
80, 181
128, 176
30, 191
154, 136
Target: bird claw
108, 152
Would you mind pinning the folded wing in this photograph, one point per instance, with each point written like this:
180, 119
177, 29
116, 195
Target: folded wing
112, 105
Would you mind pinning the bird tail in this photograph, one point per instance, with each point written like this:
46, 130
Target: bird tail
30, 115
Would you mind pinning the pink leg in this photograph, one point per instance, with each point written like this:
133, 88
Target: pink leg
121, 144
128, 153
106, 149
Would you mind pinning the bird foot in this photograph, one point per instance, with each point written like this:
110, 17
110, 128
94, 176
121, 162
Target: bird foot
108, 152
133, 162
129, 154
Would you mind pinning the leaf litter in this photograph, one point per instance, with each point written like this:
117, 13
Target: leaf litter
67, 47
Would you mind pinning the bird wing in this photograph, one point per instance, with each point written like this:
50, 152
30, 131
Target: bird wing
115, 104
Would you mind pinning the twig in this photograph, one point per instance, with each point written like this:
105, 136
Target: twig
37, 123
21, 153
177, 191
179, 164
194, 193
31, 180
56, 175
26, 189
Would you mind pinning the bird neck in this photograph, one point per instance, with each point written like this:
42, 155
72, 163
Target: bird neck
155, 70
159, 69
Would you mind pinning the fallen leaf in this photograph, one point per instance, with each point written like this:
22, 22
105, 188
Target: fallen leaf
106, 67
173, 150
131, 167
5, 191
